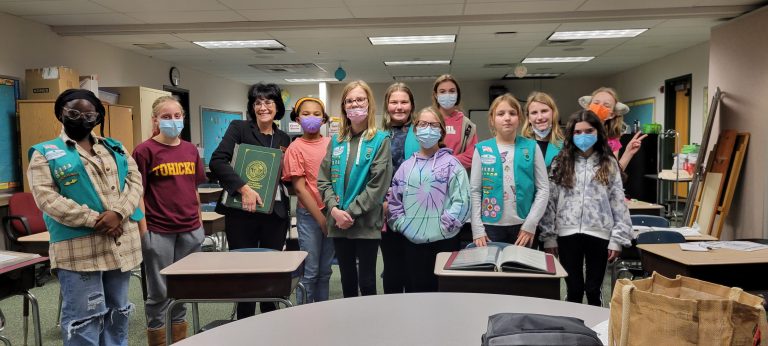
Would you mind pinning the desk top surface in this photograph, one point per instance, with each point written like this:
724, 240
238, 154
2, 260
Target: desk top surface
211, 216
392, 319
208, 189
23, 260
42, 237
237, 263
711, 257
633, 204
442, 258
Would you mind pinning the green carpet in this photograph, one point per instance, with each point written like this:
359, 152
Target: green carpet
48, 295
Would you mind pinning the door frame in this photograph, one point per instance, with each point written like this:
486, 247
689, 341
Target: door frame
670, 103
183, 96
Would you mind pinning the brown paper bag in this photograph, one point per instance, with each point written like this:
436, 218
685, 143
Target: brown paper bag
683, 311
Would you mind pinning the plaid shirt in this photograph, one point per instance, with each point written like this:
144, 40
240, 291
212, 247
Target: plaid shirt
97, 251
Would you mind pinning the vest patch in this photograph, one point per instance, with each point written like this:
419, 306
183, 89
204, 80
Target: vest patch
54, 154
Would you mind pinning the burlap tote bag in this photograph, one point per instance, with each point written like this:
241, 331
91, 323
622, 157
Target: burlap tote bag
683, 311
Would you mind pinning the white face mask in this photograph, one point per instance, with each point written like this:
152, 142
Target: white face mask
447, 100
542, 133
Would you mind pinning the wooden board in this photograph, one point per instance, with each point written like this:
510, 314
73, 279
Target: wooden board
709, 203
742, 141
723, 152
700, 170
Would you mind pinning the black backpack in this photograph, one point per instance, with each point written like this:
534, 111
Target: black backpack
534, 329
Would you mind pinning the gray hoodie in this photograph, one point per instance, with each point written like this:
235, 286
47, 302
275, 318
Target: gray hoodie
589, 207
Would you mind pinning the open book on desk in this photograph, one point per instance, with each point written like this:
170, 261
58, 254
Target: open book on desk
511, 258
9, 258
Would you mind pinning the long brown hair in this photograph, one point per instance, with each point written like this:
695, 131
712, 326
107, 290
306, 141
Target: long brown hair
386, 119
446, 78
563, 164
345, 132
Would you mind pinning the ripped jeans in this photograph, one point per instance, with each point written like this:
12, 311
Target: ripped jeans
95, 307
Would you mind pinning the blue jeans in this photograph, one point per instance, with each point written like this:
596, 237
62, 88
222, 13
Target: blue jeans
317, 266
95, 307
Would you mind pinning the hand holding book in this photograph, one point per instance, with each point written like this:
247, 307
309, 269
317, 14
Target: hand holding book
250, 198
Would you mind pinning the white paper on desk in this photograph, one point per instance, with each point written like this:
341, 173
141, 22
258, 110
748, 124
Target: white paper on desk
736, 245
4, 257
685, 231
602, 331
693, 247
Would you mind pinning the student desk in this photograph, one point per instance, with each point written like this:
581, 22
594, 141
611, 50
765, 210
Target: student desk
18, 279
231, 277
209, 194
644, 208
727, 267
423, 319
700, 237
517, 283
213, 222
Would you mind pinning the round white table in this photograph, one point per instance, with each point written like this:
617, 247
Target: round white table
395, 319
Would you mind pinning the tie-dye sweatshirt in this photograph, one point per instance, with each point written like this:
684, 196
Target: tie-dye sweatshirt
429, 197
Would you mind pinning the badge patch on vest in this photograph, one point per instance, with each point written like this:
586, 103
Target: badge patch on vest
488, 159
63, 172
487, 149
526, 154
337, 151
368, 153
54, 154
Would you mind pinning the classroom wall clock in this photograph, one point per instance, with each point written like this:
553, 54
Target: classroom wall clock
175, 76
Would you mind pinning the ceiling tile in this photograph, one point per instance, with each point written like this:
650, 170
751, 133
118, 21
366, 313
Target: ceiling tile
313, 13
412, 11
518, 7
81, 19
610, 25
35, 8
148, 38
224, 36
600, 5
519, 28
160, 17
410, 31
282, 4
168, 8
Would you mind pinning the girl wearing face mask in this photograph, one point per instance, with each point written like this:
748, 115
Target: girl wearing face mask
171, 169
398, 107
353, 181
461, 133
543, 125
428, 201
508, 179
586, 218
301, 166
604, 102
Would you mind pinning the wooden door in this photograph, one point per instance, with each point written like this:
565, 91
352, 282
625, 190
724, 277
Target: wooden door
119, 123
37, 123
682, 119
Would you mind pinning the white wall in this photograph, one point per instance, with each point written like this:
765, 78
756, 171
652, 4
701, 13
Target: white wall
26, 44
739, 66
645, 80
474, 95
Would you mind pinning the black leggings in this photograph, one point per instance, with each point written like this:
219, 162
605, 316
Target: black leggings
574, 250
357, 264
393, 255
421, 262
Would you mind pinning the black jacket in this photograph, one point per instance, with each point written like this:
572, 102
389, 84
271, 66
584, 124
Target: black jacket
245, 131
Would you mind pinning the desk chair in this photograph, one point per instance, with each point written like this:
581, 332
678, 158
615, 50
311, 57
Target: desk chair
24, 218
659, 237
628, 265
296, 275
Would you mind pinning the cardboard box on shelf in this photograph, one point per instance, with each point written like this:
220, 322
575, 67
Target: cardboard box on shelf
108, 96
90, 82
48, 82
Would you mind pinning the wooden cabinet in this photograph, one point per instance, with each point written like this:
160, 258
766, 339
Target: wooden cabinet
37, 123
141, 99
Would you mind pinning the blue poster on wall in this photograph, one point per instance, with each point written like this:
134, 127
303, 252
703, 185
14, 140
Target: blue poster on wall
213, 124
641, 110
9, 161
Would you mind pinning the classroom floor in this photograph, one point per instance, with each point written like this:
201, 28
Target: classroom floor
47, 297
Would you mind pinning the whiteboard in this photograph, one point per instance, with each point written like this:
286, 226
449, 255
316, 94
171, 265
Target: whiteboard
213, 126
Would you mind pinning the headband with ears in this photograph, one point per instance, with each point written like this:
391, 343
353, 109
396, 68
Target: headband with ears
296, 107
619, 109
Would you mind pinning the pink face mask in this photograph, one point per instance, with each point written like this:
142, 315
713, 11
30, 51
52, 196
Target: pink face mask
357, 115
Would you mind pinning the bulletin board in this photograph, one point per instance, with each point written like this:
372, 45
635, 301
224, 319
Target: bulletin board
9, 139
213, 125
640, 110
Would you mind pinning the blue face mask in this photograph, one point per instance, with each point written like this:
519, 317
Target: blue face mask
584, 141
427, 137
447, 100
171, 127
541, 133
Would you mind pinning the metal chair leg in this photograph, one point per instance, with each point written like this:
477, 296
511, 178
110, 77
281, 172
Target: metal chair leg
35, 318
58, 314
25, 323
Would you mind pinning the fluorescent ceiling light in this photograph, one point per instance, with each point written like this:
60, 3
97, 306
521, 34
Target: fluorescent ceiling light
240, 44
418, 62
384, 40
559, 59
310, 80
533, 75
590, 34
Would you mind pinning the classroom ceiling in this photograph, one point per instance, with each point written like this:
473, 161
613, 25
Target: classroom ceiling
492, 36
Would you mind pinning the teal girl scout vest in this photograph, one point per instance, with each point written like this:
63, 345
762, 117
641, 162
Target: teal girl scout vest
552, 151
411, 144
74, 183
492, 202
359, 172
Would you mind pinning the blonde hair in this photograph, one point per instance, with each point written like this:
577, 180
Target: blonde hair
386, 119
440, 119
615, 126
345, 132
446, 78
556, 135
157, 105
512, 101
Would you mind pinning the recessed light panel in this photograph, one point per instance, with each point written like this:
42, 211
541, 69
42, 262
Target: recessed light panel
417, 62
593, 34
386, 40
557, 59
239, 44
310, 80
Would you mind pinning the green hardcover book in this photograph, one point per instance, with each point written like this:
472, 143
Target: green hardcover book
259, 167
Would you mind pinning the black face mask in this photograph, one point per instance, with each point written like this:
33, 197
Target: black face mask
79, 129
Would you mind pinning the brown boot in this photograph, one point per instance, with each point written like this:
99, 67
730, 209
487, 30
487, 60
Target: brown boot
156, 336
179, 331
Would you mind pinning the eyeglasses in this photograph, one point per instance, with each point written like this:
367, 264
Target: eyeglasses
359, 100
265, 103
425, 124
75, 114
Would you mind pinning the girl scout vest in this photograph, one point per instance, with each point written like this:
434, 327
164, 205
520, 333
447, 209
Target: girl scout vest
552, 151
411, 144
492, 202
366, 151
73, 182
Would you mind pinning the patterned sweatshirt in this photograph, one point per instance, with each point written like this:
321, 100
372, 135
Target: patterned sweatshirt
589, 207
429, 197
